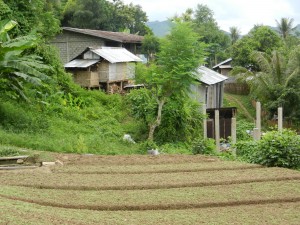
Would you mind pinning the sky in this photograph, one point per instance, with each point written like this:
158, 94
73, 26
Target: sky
243, 14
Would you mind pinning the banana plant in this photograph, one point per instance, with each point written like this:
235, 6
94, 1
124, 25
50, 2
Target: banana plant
18, 66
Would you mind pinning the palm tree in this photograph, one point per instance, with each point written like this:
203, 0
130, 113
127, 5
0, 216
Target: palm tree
18, 66
276, 83
285, 27
234, 34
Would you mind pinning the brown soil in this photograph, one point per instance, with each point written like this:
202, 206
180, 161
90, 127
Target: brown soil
158, 206
77, 159
104, 173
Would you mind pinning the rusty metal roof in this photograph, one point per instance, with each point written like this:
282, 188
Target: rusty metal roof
81, 63
115, 55
208, 76
109, 35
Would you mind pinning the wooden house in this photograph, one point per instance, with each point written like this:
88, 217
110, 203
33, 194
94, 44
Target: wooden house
210, 87
107, 68
72, 41
210, 91
231, 85
223, 67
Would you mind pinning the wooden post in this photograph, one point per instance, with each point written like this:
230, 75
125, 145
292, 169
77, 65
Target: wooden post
258, 122
233, 134
280, 119
204, 122
256, 134
217, 129
233, 130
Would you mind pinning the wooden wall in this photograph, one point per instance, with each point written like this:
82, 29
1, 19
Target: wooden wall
86, 79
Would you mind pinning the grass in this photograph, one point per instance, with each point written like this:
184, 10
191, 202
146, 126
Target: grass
96, 128
159, 198
16, 212
243, 104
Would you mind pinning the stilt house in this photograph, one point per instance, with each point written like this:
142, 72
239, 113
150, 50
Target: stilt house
107, 68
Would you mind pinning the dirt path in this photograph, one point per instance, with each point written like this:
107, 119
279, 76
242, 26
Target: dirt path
246, 112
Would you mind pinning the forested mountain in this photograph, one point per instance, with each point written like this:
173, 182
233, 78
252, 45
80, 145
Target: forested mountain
160, 28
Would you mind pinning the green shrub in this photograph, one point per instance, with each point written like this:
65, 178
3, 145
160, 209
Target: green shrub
241, 131
246, 149
279, 149
181, 118
204, 146
148, 145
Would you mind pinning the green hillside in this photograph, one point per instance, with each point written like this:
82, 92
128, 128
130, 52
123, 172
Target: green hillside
160, 28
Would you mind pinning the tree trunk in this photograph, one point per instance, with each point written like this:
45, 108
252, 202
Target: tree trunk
157, 122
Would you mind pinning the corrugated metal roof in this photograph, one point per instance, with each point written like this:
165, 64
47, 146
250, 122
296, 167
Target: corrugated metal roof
225, 67
208, 76
81, 63
114, 36
221, 63
115, 55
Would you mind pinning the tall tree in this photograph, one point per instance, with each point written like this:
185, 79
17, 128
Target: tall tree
89, 14
235, 34
180, 55
285, 27
105, 15
150, 46
206, 26
260, 38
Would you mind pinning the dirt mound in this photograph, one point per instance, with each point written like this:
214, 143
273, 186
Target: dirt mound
131, 159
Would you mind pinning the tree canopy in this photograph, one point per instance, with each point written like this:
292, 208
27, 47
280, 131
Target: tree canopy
260, 38
105, 15
39, 15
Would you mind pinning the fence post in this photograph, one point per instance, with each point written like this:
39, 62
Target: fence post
256, 134
233, 130
217, 129
233, 134
204, 122
280, 119
257, 129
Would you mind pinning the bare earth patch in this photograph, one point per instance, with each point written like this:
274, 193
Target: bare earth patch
140, 189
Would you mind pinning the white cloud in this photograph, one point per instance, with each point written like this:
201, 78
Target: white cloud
240, 13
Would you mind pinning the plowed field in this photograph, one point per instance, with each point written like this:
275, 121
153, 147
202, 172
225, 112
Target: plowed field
166, 189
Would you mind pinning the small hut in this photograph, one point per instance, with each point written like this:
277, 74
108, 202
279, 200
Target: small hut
107, 68
224, 67
210, 88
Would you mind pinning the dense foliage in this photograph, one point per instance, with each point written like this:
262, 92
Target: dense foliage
260, 38
181, 118
105, 15
276, 148
170, 76
39, 15
18, 67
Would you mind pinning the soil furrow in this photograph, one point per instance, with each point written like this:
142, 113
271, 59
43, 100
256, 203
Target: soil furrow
161, 171
157, 186
157, 207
